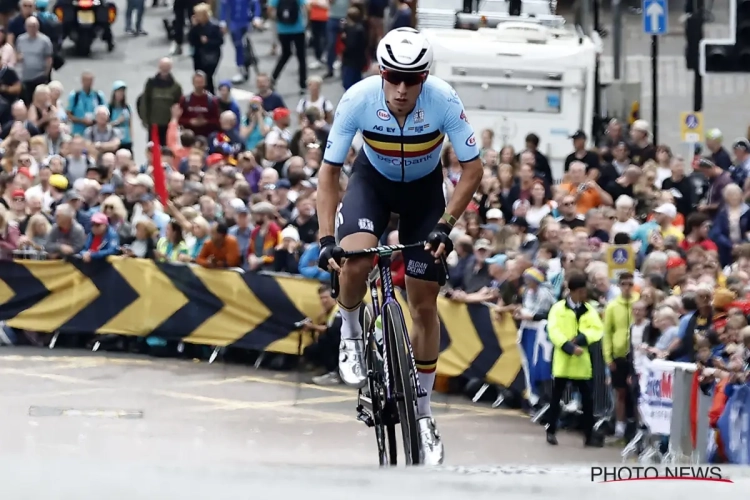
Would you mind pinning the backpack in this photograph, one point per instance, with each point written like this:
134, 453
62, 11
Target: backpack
305, 103
99, 100
142, 103
287, 12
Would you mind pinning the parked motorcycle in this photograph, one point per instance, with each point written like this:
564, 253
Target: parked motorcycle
84, 21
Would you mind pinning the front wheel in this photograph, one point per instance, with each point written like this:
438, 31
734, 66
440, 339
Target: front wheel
402, 372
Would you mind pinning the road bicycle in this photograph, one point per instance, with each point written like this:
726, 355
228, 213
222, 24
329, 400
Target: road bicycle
389, 397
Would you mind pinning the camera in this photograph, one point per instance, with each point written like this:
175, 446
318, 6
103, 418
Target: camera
300, 324
254, 107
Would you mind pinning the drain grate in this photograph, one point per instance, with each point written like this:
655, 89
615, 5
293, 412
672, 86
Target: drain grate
51, 411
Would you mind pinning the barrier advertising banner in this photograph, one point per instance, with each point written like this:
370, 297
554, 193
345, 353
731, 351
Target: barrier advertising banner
734, 426
223, 308
655, 401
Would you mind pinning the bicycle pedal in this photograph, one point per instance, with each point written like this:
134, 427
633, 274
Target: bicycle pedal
365, 418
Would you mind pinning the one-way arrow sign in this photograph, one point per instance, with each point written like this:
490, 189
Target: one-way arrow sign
655, 17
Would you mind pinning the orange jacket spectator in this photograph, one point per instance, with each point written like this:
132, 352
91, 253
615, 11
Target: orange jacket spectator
227, 255
587, 200
271, 240
717, 408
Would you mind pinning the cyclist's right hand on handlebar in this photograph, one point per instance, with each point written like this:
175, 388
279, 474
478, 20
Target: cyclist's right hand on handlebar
325, 260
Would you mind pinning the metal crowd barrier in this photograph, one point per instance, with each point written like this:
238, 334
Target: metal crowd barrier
603, 398
647, 446
29, 253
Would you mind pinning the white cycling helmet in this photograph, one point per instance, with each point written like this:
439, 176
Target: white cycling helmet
405, 50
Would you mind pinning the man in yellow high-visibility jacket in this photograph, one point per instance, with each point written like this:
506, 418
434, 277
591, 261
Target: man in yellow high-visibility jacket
572, 326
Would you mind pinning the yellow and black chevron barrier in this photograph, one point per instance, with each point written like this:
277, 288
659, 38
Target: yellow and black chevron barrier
221, 308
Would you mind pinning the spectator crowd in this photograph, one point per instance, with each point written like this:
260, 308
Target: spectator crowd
241, 193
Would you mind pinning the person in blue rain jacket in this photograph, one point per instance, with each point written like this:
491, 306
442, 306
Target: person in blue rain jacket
308, 264
239, 16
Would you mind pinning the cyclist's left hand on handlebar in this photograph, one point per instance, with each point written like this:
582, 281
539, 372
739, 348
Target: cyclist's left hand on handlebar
439, 242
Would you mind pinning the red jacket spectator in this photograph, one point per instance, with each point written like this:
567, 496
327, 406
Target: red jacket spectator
200, 113
706, 245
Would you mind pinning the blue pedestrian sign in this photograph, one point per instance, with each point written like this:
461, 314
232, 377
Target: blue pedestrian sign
655, 17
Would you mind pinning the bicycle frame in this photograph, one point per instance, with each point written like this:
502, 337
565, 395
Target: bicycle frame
384, 266
386, 281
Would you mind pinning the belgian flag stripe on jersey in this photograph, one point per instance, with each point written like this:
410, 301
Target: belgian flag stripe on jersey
413, 145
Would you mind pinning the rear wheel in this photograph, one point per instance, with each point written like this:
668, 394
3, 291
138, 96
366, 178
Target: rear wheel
402, 372
83, 43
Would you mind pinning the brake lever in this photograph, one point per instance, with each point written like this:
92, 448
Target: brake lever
337, 254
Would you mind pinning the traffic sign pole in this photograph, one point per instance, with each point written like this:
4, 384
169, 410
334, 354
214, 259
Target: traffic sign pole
691, 132
655, 88
655, 23
700, 6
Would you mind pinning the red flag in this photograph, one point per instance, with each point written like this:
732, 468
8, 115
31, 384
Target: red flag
160, 180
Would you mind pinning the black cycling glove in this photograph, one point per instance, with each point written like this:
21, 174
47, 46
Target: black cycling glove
441, 234
327, 244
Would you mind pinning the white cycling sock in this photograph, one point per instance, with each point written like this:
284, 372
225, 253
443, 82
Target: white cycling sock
426, 376
350, 327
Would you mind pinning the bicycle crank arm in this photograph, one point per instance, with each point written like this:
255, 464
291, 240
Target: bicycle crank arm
365, 402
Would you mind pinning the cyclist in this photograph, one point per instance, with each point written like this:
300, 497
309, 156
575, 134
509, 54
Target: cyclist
404, 115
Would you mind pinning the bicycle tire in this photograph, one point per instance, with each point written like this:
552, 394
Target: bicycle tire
385, 427
401, 370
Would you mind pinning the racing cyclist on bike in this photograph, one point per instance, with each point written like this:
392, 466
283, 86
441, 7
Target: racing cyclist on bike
404, 115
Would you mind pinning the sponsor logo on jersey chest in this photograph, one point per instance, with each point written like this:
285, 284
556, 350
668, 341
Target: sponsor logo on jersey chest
463, 116
384, 115
419, 116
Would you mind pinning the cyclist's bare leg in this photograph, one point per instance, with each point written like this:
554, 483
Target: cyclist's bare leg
425, 338
353, 286
424, 334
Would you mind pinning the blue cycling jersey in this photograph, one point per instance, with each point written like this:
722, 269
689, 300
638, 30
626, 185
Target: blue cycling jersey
399, 153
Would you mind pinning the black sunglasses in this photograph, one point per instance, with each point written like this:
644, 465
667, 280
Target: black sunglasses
398, 77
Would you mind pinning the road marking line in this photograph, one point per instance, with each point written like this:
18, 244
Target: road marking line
352, 392
232, 404
42, 395
57, 359
291, 402
271, 381
66, 366
48, 376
